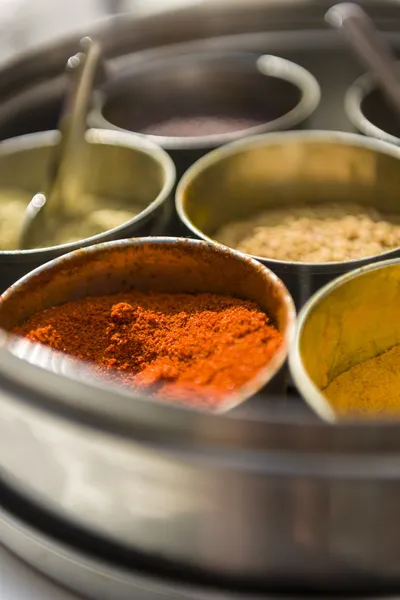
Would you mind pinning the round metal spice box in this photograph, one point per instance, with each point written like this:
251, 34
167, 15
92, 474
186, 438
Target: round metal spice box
173, 265
348, 324
129, 169
288, 171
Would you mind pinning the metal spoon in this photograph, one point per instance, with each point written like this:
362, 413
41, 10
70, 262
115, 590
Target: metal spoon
370, 47
50, 207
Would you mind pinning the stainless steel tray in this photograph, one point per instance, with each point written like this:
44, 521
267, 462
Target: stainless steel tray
291, 500
48, 546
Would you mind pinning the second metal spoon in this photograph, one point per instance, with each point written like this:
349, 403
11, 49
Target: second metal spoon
370, 46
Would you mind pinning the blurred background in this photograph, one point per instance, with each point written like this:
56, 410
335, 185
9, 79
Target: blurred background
26, 23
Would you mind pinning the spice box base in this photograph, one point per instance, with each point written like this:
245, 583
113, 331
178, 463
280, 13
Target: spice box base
50, 547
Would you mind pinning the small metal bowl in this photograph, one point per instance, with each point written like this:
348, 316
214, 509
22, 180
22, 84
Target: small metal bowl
160, 264
369, 112
127, 167
280, 169
353, 319
269, 92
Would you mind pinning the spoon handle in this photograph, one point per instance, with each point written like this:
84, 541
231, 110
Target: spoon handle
63, 185
371, 48
67, 158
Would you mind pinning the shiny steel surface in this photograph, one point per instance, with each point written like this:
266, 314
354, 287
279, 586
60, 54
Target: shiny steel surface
354, 318
92, 577
293, 502
280, 169
32, 87
117, 165
276, 93
47, 546
283, 503
369, 112
265, 26
241, 84
166, 264
206, 19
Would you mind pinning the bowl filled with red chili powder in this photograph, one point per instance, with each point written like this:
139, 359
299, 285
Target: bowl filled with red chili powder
181, 320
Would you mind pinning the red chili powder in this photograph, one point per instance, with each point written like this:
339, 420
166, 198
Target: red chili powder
194, 348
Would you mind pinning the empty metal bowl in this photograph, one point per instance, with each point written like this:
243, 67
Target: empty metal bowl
353, 319
283, 169
369, 112
119, 165
191, 104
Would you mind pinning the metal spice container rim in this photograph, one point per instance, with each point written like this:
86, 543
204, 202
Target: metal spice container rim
353, 99
80, 374
213, 157
267, 65
93, 136
309, 391
112, 412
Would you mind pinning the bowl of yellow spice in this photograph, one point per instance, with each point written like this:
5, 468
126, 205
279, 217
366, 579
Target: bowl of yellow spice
126, 190
345, 359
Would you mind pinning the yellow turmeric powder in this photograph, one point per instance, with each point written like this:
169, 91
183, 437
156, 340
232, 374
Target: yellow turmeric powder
371, 388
